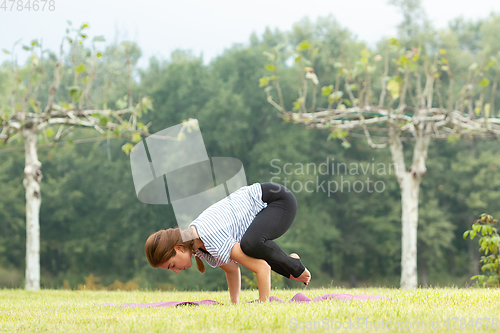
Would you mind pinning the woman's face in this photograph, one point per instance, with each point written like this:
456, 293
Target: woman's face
179, 262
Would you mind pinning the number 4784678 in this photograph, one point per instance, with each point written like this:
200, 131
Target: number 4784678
28, 5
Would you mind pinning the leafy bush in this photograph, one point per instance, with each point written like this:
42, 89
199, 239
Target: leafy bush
489, 243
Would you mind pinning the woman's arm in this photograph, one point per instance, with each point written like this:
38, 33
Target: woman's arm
233, 277
259, 266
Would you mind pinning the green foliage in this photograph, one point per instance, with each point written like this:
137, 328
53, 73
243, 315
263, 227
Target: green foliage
394, 88
75, 92
50, 132
489, 243
484, 82
80, 69
304, 45
327, 90
127, 148
346, 144
453, 138
393, 41
121, 103
264, 81
296, 104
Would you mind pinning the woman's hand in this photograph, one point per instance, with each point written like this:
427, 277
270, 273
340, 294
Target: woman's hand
259, 266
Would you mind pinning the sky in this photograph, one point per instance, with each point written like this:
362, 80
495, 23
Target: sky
207, 27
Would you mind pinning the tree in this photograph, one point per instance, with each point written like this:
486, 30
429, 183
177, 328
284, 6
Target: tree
415, 23
25, 117
404, 112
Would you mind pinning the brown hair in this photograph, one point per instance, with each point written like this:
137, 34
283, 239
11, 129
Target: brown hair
159, 247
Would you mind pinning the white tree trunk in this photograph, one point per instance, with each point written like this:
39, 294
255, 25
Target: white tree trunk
31, 182
409, 222
409, 183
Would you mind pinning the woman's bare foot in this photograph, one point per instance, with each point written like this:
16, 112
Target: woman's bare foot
305, 277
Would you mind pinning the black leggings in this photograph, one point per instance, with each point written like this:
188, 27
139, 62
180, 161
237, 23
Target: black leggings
270, 223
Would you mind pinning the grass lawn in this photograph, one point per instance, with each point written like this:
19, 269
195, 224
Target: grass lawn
80, 311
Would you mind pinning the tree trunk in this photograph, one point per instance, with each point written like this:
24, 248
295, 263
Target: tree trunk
409, 183
409, 222
31, 182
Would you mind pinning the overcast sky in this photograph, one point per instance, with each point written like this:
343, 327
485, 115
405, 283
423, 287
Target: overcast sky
209, 26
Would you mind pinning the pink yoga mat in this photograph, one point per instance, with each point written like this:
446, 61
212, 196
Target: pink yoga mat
300, 297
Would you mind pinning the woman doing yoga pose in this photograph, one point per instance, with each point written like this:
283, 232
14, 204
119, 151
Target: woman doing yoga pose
238, 229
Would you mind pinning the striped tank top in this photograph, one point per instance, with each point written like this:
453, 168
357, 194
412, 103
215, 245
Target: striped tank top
225, 222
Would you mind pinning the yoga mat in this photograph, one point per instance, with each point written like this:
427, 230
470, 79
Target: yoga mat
300, 297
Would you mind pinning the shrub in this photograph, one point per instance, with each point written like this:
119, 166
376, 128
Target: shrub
489, 243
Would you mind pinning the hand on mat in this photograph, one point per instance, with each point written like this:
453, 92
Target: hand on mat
305, 277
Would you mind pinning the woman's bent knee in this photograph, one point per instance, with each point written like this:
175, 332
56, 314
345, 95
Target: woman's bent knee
249, 246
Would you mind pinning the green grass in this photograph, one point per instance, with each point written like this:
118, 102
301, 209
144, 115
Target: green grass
80, 311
